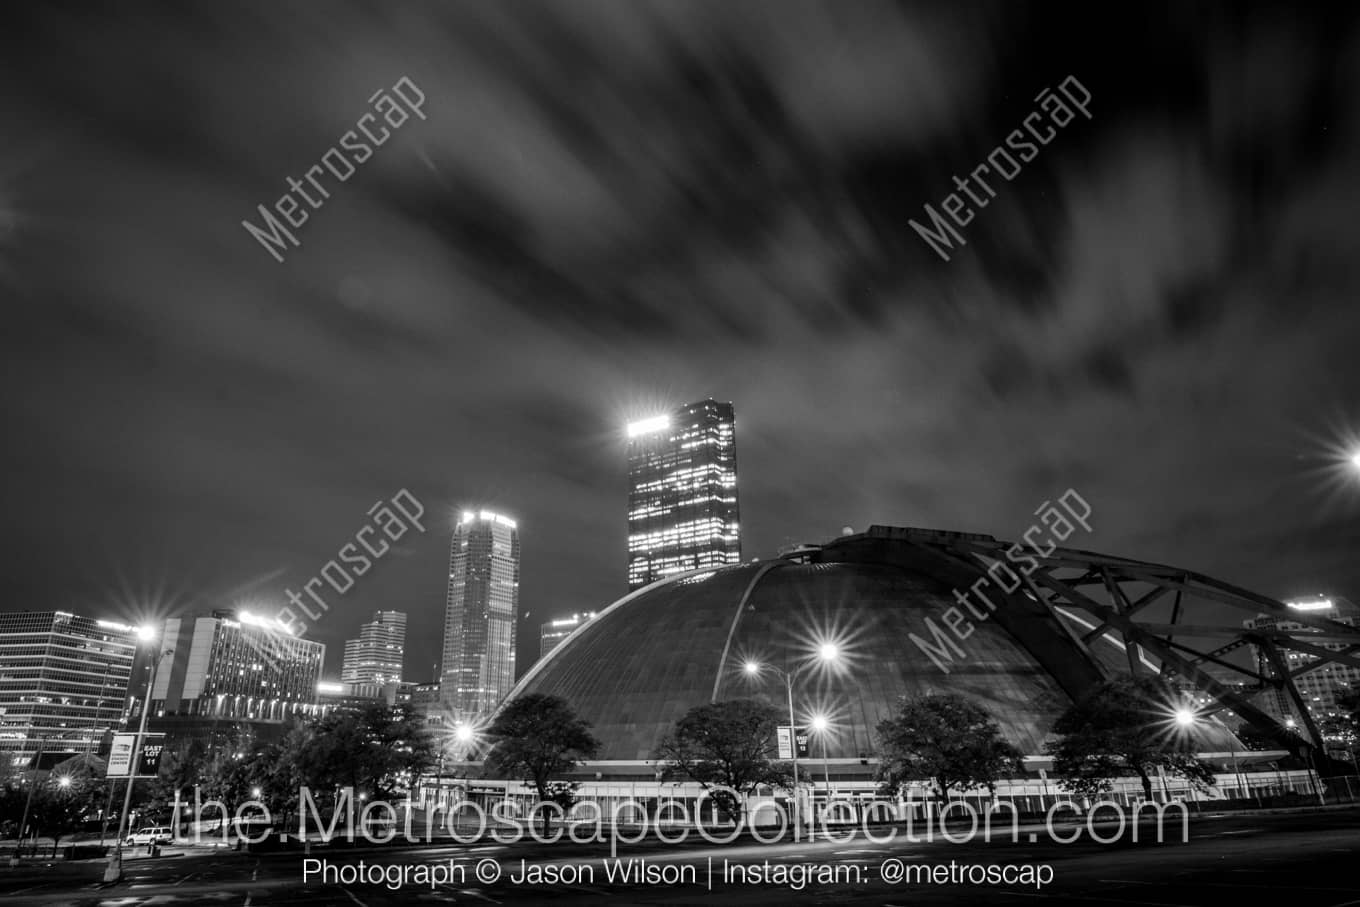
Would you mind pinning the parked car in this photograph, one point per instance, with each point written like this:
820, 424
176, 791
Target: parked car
159, 834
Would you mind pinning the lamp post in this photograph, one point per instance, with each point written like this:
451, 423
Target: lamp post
28, 803
822, 726
114, 871
1187, 718
827, 653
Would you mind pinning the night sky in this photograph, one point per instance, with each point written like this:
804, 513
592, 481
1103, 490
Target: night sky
617, 207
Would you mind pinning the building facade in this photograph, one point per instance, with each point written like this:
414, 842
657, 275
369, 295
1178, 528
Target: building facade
232, 666
551, 634
1321, 687
63, 681
478, 664
377, 654
682, 492
354, 697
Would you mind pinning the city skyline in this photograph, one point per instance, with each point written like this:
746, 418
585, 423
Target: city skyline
655, 420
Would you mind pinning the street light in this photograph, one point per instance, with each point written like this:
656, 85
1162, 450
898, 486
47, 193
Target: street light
114, 871
827, 653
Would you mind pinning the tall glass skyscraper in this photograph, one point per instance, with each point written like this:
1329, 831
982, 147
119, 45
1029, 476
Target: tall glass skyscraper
376, 655
478, 666
682, 492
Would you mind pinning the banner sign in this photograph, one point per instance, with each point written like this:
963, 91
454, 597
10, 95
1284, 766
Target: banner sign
783, 735
149, 762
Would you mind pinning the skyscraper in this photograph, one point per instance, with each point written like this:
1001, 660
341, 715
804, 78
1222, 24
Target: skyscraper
376, 655
682, 492
553, 632
63, 680
478, 666
228, 667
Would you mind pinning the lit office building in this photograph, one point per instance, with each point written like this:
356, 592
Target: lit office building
478, 665
231, 666
355, 697
63, 681
426, 702
1321, 687
682, 497
551, 634
377, 654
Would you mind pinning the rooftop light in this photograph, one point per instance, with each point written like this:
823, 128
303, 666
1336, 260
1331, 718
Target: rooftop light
647, 426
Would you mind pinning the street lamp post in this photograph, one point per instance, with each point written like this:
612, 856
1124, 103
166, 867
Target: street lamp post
28, 803
822, 726
826, 653
1237, 772
114, 871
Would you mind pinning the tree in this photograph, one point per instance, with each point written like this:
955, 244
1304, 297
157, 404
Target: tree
72, 790
1124, 725
280, 771
726, 745
539, 737
946, 739
376, 750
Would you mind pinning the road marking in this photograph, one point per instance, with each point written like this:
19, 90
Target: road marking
249, 895
185, 879
1087, 897
1259, 885
351, 896
477, 894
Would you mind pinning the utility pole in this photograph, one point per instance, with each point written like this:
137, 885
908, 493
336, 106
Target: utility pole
114, 871
28, 803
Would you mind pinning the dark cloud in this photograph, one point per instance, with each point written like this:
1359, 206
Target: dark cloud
617, 206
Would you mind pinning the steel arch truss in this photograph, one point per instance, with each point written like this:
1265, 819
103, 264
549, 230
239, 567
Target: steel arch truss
1129, 601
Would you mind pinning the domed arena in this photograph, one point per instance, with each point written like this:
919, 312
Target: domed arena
895, 608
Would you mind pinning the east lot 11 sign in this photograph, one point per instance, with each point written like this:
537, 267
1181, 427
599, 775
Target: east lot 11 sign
149, 761
784, 735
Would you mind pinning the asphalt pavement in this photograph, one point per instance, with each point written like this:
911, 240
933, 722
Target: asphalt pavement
1299, 860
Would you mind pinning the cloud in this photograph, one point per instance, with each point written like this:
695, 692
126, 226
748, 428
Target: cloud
616, 207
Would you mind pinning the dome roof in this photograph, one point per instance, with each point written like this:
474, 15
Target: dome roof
639, 666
